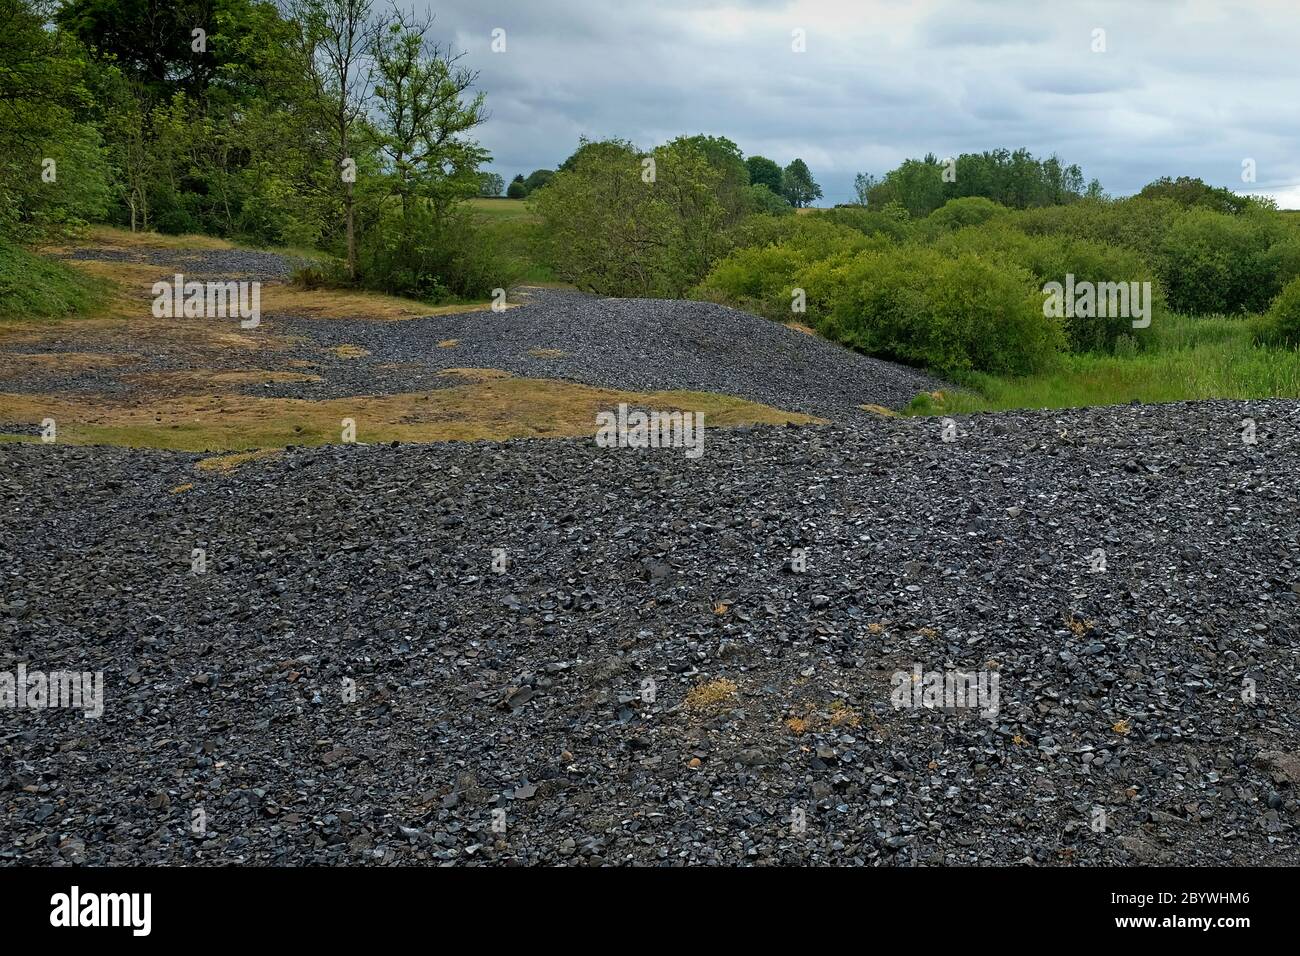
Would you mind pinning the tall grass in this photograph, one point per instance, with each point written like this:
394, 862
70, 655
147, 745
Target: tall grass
1185, 358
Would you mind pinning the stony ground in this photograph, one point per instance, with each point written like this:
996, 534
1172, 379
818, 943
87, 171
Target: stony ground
627, 344
652, 680
630, 344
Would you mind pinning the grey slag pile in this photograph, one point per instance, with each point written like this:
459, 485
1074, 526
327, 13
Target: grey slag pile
629, 344
553, 652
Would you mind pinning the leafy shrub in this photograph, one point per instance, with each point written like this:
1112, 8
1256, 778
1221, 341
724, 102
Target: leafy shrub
1051, 258
763, 200
429, 255
952, 314
1282, 261
760, 276
1212, 262
892, 223
1281, 324
966, 211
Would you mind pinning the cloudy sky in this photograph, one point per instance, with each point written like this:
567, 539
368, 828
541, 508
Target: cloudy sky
1183, 87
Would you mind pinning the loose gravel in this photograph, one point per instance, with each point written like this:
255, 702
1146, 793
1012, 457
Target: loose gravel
653, 679
629, 344
626, 344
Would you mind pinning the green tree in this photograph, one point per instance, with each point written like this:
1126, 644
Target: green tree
863, 183
538, 178
797, 184
517, 190
423, 112
490, 185
621, 221
764, 172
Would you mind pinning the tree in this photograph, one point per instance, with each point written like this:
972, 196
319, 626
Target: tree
797, 184
490, 185
43, 104
609, 226
517, 188
422, 113
764, 172
537, 179
1190, 192
336, 46
863, 183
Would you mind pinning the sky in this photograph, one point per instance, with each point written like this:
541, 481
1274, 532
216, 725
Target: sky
1168, 87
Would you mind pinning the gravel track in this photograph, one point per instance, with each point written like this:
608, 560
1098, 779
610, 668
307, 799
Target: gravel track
521, 693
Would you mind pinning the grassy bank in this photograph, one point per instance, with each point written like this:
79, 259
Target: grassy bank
1187, 358
35, 287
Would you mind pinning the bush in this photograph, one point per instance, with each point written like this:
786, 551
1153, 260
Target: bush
1217, 263
429, 256
762, 200
1051, 258
870, 222
1282, 261
1281, 324
760, 276
953, 315
967, 211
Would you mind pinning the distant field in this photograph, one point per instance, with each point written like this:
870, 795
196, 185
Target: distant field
501, 208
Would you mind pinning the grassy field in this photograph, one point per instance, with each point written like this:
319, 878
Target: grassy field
501, 209
512, 229
1191, 358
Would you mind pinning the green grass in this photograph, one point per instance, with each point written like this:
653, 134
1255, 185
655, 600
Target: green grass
500, 209
1187, 358
33, 287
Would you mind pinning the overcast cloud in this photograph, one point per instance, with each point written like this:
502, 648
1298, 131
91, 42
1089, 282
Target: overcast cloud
1185, 87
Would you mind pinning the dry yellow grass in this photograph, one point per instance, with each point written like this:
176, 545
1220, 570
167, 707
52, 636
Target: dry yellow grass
879, 410
346, 304
715, 695
349, 351
546, 353
224, 464
195, 380
489, 405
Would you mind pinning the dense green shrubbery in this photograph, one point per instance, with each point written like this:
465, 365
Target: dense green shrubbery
1280, 325
967, 211
1216, 263
1051, 258
952, 314
1197, 260
759, 275
430, 256
891, 223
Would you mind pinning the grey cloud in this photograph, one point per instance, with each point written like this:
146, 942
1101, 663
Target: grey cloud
1184, 87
